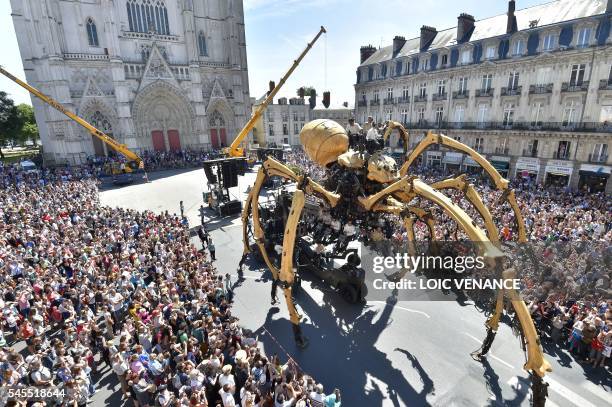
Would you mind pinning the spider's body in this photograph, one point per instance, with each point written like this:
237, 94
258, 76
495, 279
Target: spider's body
362, 185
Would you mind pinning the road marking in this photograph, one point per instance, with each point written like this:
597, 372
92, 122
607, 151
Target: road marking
402, 308
597, 391
515, 384
567, 394
503, 362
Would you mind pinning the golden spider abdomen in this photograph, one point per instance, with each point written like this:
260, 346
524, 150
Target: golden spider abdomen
324, 140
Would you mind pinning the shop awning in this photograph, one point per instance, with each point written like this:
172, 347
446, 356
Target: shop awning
559, 174
500, 165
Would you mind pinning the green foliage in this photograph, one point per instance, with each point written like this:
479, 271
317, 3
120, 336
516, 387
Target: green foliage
17, 124
307, 90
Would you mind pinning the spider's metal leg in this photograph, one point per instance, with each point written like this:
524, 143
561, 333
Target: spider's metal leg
287, 274
460, 183
492, 325
500, 182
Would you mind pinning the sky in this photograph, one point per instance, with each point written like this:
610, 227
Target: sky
277, 31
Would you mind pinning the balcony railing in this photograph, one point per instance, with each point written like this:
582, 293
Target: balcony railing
582, 87
540, 89
561, 155
481, 93
461, 94
502, 150
585, 127
439, 96
362, 103
598, 158
505, 91
375, 102
388, 101
530, 153
403, 100
605, 84
419, 98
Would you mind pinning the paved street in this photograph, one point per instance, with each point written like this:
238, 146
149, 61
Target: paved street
380, 354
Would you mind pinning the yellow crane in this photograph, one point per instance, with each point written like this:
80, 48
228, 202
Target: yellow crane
234, 150
134, 160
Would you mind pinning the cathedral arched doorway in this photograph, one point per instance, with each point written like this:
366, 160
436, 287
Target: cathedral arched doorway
218, 132
101, 122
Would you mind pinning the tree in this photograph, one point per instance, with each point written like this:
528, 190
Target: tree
29, 129
9, 120
307, 90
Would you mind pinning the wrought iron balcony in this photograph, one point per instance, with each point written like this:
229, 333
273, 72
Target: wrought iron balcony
419, 98
530, 153
439, 96
482, 93
389, 101
598, 158
561, 155
461, 94
403, 100
375, 102
506, 91
362, 103
605, 84
582, 87
540, 89
502, 150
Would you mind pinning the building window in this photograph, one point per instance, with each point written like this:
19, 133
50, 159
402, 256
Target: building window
363, 95
459, 114
423, 90
508, 114
148, 15
92, 33
584, 37
457, 138
296, 130
376, 95
564, 150
487, 81
577, 76
389, 93
491, 52
549, 42
532, 148
404, 116
424, 64
518, 48
536, 114
463, 85
543, 76
285, 117
439, 115
513, 81
421, 115
388, 114
202, 44
271, 130
570, 113
483, 113
478, 143
599, 154
444, 60
285, 129
441, 87
466, 56
405, 92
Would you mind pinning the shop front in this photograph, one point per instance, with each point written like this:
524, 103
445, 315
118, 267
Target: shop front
452, 162
593, 178
558, 173
527, 169
501, 164
434, 159
470, 166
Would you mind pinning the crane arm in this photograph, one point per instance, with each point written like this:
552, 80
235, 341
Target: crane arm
234, 149
111, 142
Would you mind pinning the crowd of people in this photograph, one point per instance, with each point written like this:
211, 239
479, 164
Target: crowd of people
88, 291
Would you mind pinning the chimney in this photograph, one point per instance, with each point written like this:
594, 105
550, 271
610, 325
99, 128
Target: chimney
465, 26
398, 44
366, 52
511, 26
427, 36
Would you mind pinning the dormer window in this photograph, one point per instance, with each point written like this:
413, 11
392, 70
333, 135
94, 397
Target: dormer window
444, 61
424, 64
466, 56
549, 42
584, 37
518, 47
490, 50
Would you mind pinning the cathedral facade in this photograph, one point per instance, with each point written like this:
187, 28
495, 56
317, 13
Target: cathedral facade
156, 75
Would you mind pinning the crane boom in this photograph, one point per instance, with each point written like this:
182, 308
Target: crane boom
234, 149
111, 142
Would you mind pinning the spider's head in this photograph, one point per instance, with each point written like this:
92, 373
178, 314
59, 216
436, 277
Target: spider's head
324, 140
